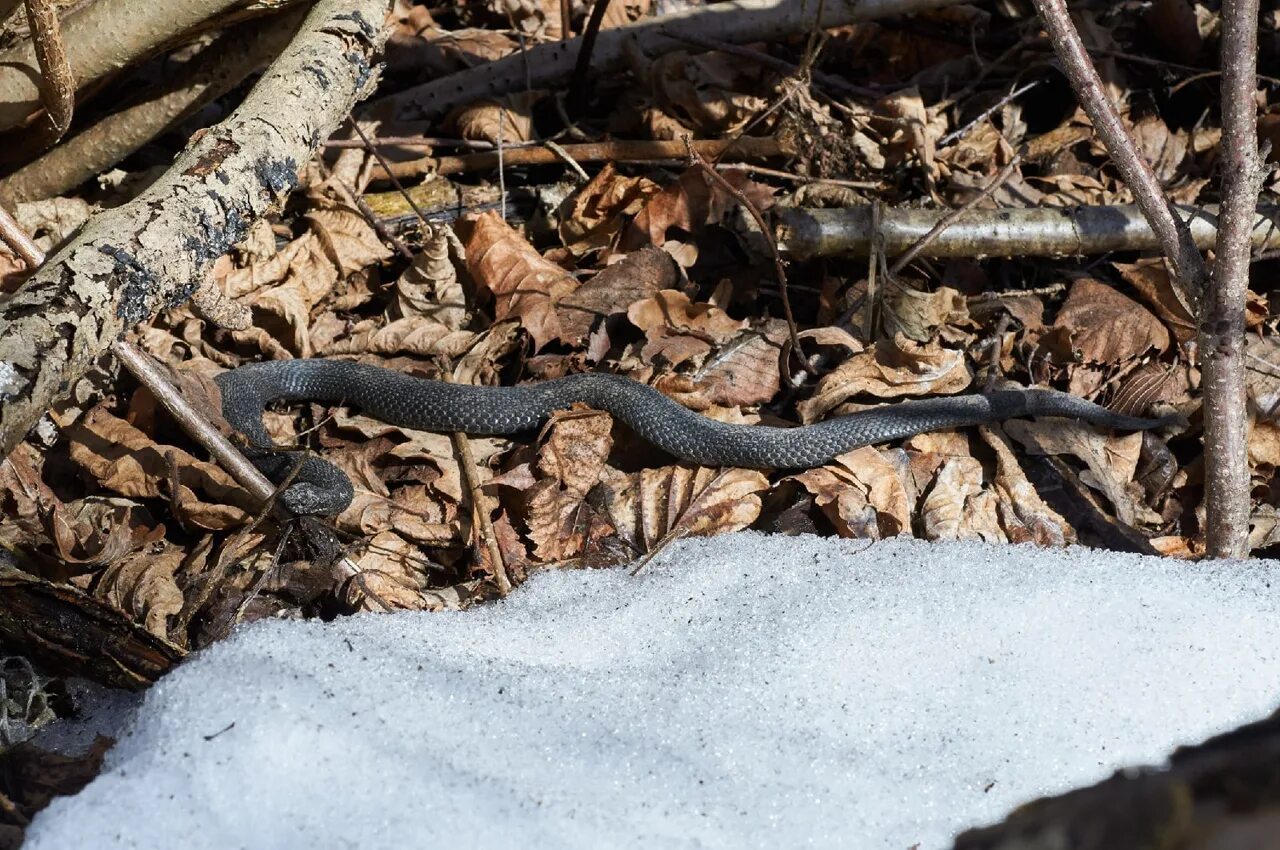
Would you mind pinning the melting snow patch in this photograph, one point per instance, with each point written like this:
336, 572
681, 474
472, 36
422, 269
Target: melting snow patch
746, 691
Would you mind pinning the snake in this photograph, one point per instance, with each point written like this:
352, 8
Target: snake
320, 488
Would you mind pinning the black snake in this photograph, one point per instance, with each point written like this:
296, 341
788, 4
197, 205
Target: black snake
411, 402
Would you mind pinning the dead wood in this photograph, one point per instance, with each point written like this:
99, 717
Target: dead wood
153, 252
1030, 232
137, 28
217, 69
547, 64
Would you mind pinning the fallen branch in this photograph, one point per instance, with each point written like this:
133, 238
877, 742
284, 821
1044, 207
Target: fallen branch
216, 70
153, 252
1038, 232
642, 150
137, 29
548, 64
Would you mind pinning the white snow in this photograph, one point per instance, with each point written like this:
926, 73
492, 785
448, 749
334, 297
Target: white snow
747, 691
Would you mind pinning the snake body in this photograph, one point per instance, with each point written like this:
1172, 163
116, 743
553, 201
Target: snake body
412, 402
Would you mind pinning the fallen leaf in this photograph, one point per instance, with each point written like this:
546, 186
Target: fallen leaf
649, 506
892, 369
524, 284
144, 586
862, 493
637, 276
1103, 326
592, 217
1024, 516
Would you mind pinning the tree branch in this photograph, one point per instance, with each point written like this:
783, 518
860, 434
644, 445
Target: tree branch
153, 252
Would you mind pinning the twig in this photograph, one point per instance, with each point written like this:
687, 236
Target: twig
19, 241
419, 142
780, 65
770, 240
643, 150
566, 19
386, 166
1011, 232
481, 523
576, 101
984, 114
136, 30
1190, 273
952, 217
751, 168
1222, 320
57, 89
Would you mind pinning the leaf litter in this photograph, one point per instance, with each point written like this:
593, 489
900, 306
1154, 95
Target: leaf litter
652, 270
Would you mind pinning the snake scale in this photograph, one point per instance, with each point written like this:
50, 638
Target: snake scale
412, 402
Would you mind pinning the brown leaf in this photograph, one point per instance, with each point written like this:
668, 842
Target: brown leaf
1024, 516
711, 93
614, 290
862, 493
99, 532
743, 371
671, 310
1112, 461
919, 315
591, 217
649, 505
1106, 327
508, 121
143, 585
562, 524
892, 369
523, 283
956, 508
1151, 278
349, 241
420, 335
430, 286
123, 459
691, 204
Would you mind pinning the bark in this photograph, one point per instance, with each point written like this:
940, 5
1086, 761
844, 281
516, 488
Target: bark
548, 64
102, 37
1032, 232
153, 252
217, 69
1222, 320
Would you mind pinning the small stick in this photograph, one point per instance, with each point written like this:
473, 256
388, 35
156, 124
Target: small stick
769, 239
620, 150
578, 84
986, 113
59, 89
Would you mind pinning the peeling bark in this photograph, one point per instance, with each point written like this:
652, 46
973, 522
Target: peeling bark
152, 253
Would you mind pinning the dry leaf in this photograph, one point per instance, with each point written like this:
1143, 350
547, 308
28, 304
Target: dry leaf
1025, 517
523, 283
614, 290
862, 493
143, 585
711, 93
952, 510
691, 204
1102, 326
562, 524
892, 369
430, 286
919, 315
1112, 461
649, 505
123, 459
592, 216
498, 122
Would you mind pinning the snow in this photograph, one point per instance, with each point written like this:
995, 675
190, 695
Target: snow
747, 691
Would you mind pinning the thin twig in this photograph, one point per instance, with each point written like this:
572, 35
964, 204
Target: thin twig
386, 166
1190, 273
766, 232
579, 85
986, 113
782, 66
617, 150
